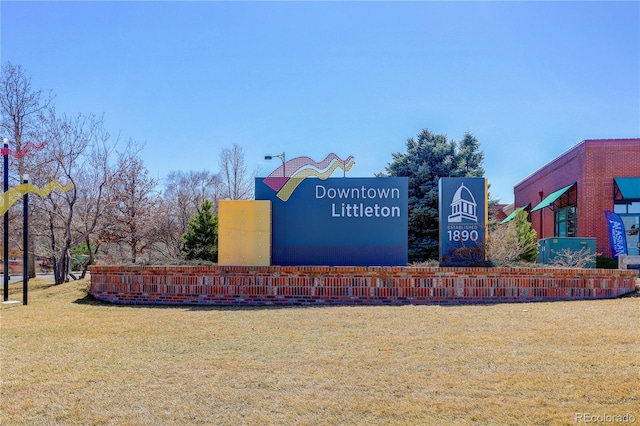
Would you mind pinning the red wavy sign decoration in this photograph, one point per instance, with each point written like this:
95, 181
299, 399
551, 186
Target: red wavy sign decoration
26, 148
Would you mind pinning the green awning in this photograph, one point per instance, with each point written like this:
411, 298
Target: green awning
513, 214
629, 187
551, 198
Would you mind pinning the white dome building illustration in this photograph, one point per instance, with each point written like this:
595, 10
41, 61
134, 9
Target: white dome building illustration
463, 206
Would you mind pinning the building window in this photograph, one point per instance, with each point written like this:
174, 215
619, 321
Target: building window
626, 207
566, 222
629, 212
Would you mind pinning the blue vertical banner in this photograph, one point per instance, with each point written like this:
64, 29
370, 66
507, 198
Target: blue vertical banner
617, 238
463, 207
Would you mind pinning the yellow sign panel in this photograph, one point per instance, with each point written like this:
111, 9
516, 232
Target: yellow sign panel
244, 232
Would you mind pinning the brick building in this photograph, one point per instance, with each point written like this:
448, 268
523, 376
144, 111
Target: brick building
568, 196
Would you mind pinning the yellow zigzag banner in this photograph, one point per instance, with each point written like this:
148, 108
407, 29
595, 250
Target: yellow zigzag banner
16, 192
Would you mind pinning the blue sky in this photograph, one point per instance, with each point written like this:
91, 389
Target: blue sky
528, 79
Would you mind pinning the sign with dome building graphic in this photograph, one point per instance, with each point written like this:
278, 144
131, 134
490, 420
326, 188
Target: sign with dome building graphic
463, 206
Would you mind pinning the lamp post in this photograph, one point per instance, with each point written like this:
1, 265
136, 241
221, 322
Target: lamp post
5, 158
25, 242
280, 156
541, 194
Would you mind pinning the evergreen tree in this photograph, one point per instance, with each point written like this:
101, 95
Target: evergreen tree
428, 158
524, 235
469, 157
201, 241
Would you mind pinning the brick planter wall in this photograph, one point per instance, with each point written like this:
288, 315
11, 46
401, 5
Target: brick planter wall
274, 285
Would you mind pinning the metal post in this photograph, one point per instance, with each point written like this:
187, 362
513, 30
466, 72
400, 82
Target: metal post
541, 194
284, 161
5, 158
25, 243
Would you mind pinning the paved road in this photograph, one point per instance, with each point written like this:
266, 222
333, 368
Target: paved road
13, 279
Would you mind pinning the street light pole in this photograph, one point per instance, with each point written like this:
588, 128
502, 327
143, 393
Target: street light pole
541, 194
25, 242
5, 158
282, 157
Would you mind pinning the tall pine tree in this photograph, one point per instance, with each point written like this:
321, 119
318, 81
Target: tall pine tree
428, 158
201, 241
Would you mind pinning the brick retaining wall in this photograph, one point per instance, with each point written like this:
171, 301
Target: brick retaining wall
275, 285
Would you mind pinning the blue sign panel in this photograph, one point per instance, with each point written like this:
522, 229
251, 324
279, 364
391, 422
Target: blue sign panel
339, 222
463, 221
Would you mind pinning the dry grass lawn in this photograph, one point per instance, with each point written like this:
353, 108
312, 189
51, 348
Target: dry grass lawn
66, 359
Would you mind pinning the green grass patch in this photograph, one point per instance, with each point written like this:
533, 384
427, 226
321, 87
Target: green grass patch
68, 359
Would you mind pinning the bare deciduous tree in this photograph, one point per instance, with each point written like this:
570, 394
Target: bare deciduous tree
182, 199
236, 183
135, 197
20, 107
79, 152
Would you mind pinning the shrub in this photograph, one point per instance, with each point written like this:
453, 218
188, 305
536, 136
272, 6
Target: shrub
606, 263
514, 241
567, 258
